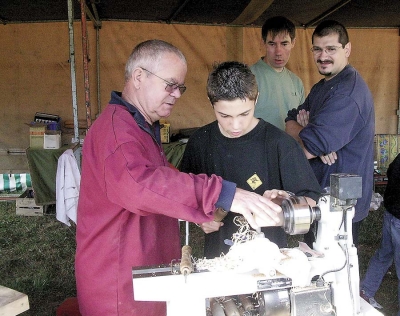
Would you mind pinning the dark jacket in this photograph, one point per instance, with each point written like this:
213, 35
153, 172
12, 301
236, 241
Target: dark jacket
391, 198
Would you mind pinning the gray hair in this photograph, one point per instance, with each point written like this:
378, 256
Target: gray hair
148, 55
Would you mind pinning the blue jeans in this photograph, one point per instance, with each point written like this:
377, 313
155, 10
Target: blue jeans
383, 258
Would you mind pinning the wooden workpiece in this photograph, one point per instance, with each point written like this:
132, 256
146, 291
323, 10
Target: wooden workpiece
12, 302
186, 265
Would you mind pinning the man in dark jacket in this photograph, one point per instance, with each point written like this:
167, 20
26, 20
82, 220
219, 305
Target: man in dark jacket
336, 123
389, 250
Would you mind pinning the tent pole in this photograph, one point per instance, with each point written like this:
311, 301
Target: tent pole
97, 25
398, 116
73, 70
398, 108
85, 64
98, 70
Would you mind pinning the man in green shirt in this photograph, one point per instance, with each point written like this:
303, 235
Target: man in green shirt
280, 89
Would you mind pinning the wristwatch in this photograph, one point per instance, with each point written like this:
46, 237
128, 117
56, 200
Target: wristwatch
219, 214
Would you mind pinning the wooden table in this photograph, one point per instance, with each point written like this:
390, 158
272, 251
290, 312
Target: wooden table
43, 170
12, 302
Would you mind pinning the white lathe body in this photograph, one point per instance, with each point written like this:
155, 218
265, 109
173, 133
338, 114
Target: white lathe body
332, 282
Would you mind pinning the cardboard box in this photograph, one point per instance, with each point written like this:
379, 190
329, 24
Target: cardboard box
36, 141
52, 141
26, 205
36, 135
387, 148
165, 131
44, 134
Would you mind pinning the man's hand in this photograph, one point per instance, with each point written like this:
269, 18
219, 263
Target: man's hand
329, 159
302, 117
210, 227
278, 195
259, 211
273, 194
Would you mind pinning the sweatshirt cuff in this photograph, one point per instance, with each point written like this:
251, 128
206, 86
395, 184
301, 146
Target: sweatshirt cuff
292, 115
226, 196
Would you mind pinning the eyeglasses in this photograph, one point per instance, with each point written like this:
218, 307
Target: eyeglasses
330, 50
170, 87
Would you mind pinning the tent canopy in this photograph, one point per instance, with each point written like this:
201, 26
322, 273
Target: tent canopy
304, 13
36, 59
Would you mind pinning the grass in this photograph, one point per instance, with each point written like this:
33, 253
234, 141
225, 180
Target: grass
37, 258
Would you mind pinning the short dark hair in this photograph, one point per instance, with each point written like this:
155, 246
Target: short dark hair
329, 27
231, 80
276, 25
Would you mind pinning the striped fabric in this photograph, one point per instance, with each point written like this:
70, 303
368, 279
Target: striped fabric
15, 182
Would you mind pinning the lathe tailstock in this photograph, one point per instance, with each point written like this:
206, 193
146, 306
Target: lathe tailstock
286, 282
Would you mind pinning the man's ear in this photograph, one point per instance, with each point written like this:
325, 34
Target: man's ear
137, 77
212, 105
263, 46
347, 49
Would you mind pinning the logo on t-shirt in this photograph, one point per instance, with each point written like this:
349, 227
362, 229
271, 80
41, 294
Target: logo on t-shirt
254, 181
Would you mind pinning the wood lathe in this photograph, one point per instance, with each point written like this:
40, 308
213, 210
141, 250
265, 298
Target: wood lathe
327, 284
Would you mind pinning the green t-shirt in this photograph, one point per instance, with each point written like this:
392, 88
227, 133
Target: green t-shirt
279, 92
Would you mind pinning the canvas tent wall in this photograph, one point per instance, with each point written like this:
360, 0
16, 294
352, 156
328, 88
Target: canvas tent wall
35, 70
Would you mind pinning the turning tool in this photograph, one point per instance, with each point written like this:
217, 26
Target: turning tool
186, 265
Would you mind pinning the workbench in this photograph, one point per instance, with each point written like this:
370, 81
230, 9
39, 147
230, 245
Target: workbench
43, 168
12, 302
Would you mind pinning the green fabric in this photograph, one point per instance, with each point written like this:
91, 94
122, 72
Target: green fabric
14, 182
279, 92
43, 170
174, 152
